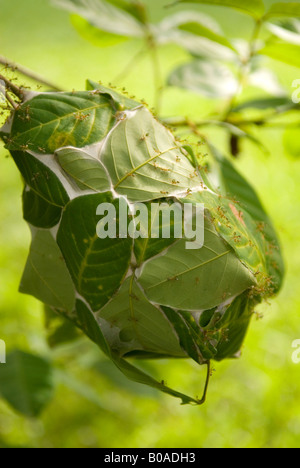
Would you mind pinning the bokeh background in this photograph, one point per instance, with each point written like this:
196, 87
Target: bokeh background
253, 401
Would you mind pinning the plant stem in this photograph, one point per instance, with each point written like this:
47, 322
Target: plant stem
11, 101
244, 68
13, 88
208, 375
28, 73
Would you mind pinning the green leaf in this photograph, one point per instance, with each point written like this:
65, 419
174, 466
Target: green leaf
59, 328
208, 78
203, 31
94, 35
133, 323
281, 9
50, 121
104, 16
236, 227
38, 212
288, 31
291, 142
182, 278
46, 276
254, 8
42, 180
190, 335
97, 266
232, 322
121, 101
144, 160
233, 184
148, 247
26, 382
135, 8
264, 103
85, 170
88, 323
287, 53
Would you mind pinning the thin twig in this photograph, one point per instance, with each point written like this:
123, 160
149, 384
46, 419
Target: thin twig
12, 87
208, 375
28, 73
11, 101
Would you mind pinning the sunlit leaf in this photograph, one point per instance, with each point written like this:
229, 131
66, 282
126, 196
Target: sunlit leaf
122, 102
287, 53
144, 160
288, 31
254, 8
86, 171
38, 212
290, 9
208, 78
42, 180
94, 35
206, 39
104, 16
291, 142
201, 30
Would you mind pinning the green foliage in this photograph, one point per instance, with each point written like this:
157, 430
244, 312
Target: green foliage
76, 150
26, 382
128, 308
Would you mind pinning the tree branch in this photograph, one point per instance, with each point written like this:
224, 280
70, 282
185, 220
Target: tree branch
28, 73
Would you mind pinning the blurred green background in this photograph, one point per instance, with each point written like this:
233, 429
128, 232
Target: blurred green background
253, 401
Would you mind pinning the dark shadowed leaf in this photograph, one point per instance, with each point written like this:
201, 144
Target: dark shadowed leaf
38, 212
59, 328
26, 382
144, 160
46, 276
42, 180
97, 266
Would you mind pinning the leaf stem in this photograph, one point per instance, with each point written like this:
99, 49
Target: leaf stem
244, 68
13, 88
13, 104
208, 375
